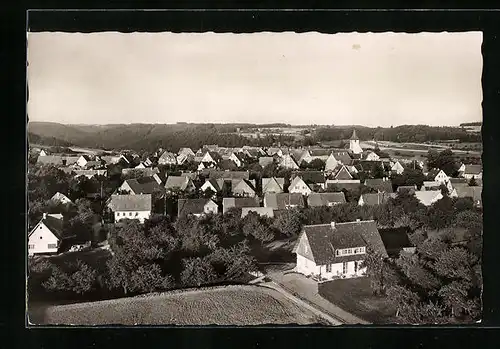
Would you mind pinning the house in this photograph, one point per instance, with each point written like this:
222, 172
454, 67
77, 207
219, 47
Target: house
182, 183
379, 184
243, 187
95, 164
43, 153
215, 185
61, 198
206, 165
145, 172
368, 166
339, 185
354, 146
265, 160
90, 173
237, 158
331, 163
437, 175
343, 157
282, 201
82, 160
287, 161
229, 175
472, 192
309, 155
342, 173
435, 185
336, 250
167, 158
46, 237
196, 207
273, 185
211, 157
472, 171
188, 152
274, 151
315, 179
410, 189
227, 165
261, 211
325, 199
131, 206
370, 156
298, 185
229, 203
397, 168
428, 197
373, 199
142, 185
396, 240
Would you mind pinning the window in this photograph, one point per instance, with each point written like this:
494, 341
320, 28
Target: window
344, 268
137, 213
41, 227
337, 253
31, 247
356, 250
356, 266
51, 245
130, 214
328, 268
40, 238
349, 251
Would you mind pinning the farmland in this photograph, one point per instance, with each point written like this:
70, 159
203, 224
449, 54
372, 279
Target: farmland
230, 305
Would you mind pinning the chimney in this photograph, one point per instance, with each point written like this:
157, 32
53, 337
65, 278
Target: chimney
332, 224
44, 215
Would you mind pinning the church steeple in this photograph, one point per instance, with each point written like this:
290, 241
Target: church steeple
354, 143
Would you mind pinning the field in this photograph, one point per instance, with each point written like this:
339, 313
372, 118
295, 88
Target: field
355, 296
230, 305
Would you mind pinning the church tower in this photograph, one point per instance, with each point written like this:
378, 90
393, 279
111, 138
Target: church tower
354, 143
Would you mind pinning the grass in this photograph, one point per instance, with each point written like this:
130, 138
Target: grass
355, 296
231, 305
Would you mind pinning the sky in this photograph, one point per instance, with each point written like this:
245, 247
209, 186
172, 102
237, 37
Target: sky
371, 79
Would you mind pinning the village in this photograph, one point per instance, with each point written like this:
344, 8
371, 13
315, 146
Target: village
317, 215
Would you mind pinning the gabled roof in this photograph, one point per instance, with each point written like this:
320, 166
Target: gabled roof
130, 202
180, 182
214, 183
373, 199
343, 185
55, 225
50, 159
473, 192
261, 211
310, 176
380, 184
395, 239
229, 174
281, 200
325, 239
227, 164
216, 156
343, 157
431, 184
60, 197
228, 203
167, 156
320, 152
427, 197
324, 199
265, 160
433, 172
192, 206
186, 151
268, 183
409, 188
143, 185
298, 180
473, 169
341, 172
242, 184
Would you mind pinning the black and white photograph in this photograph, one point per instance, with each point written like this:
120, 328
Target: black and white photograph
246, 179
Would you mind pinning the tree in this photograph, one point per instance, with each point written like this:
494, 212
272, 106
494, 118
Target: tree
444, 160
455, 296
455, 264
472, 182
316, 164
149, 278
404, 300
288, 222
197, 271
415, 271
84, 278
379, 271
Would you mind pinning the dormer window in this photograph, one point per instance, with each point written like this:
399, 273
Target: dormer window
350, 251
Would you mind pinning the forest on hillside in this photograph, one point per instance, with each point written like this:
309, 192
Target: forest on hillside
150, 137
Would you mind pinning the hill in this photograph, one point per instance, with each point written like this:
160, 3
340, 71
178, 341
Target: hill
48, 141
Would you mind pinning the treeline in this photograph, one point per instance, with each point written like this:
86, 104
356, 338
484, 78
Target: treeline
478, 123
48, 141
404, 133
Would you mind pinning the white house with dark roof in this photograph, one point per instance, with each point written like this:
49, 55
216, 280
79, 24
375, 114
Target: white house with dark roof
47, 235
196, 207
167, 158
438, 176
131, 206
243, 187
298, 185
287, 161
370, 156
397, 168
472, 171
336, 250
182, 183
428, 197
229, 203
